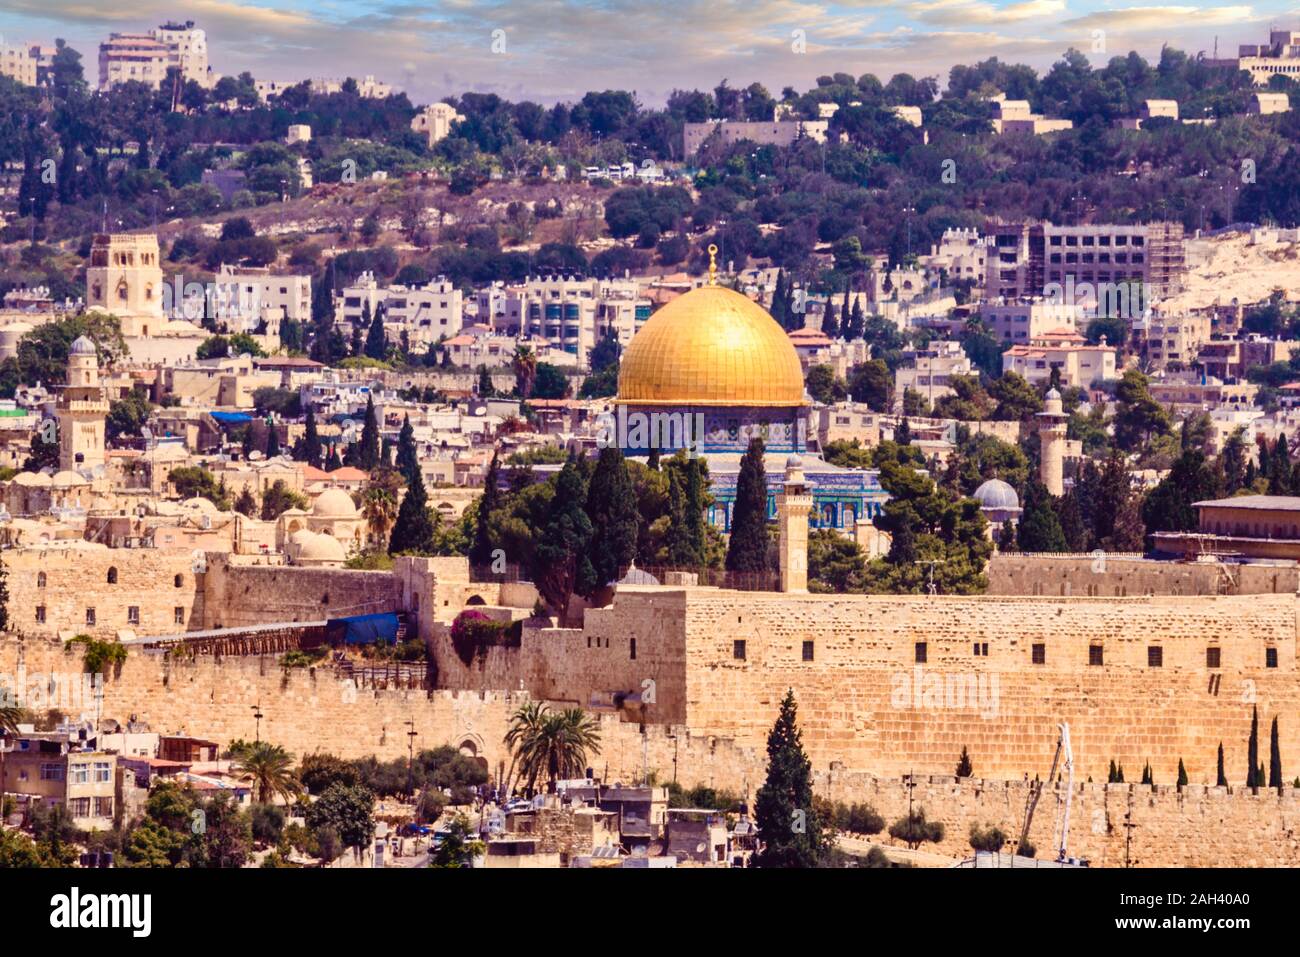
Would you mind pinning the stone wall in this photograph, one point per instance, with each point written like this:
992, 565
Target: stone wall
239, 592
69, 581
1197, 826
1102, 575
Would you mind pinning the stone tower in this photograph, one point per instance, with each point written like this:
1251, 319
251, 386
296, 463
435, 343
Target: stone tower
793, 503
124, 278
1051, 437
82, 411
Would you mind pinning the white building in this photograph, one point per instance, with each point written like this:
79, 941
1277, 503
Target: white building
146, 57
18, 63
1022, 321
424, 314
929, 371
435, 121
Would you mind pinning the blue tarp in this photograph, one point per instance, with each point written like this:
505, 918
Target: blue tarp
231, 418
366, 629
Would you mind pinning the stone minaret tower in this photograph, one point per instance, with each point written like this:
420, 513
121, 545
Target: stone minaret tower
793, 503
82, 410
1051, 437
125, 278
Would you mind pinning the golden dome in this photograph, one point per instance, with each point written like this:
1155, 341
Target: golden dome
711, 346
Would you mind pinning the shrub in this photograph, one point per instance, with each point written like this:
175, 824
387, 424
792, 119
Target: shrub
473, 632
98, 654
990, 840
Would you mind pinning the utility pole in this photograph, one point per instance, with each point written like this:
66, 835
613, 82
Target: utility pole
410, 758
931, 587
257, 716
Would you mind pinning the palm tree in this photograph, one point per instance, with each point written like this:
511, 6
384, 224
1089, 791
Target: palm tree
270, 767
379, 506
554, 743
524, 365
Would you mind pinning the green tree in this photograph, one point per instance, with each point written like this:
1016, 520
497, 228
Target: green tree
871, 382
561, 555
964, 769
1182, 775
459, 845
748, 547
615, 521
914, 830
270, 767
788, 821
1016, 399
413, 532
347, 811
1221, 779
1039, 529
368, 453
408, 457
551, 744
1252, 752
823, 385
376, 341
481, 549
278, 499
1138, 417
312, 453
246, 504
1274, 759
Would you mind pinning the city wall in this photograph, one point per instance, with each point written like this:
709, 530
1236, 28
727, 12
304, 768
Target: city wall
238, 593
1103, 575
1197, 826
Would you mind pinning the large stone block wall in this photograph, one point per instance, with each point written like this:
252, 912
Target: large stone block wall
239, 593
859, 703
76, 578
1197, 826
1103, 575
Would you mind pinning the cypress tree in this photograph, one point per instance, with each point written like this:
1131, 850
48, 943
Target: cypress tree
248, 441
779, 312
358, 342
413, 530
246, 504
903, 433
1252, 751
652, 460
368, 453
1222, 779
830, 325
857, 321
485, 388
408, 458
1182, 774
1147, 777
272, 440
480, 551
964, 769
311, 446
695, 496
376, 340
615, 521
1039, 529
1112, 775
332, 461
4, 596
1274, 759
561, 557
783, 808
747, 550
679, 541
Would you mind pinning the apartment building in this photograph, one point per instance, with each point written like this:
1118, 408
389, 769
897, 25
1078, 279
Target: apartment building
1080, 364
1015, 116
961, 253
424, 314
435, 121
762, 132
253, 300
146, 57
573, 314
18, 62
47, 769
1175, 339
1085, 262
1280, 56
1024, 320
1228, 359
929, 371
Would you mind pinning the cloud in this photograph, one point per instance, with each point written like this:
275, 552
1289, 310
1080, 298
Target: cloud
977, 13
1160, 18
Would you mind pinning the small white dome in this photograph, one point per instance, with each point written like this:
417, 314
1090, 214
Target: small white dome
67, 478
334, 503
321, 548
83, 346
996, 493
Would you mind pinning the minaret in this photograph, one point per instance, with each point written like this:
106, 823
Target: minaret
82, 410
793, 503
1051, 439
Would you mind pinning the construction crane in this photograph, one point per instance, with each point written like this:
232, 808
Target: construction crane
1064, 759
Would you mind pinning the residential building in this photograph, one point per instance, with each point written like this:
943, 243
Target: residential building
1086, 264
45, 769
435, 121
424, 314
1080, 364
1280, 56
1023, 320
18, 63
132, 57
1015, 116
929, 371
1263, 104
255, 301
763, 132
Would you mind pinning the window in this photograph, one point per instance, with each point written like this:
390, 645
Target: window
1038, 653
103, 807
1155, 656
133, 615
90, 617
103, 772
807, 651
178, 615
79, 774
920, 652
1212, 658
1270, 657
51, 772
179, 581
632, 648
981, 649
40, 579
40, 614
738, 650
79, 807
1094, 654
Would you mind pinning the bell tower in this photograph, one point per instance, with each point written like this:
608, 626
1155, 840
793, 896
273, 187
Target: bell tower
124, 278
1051, 437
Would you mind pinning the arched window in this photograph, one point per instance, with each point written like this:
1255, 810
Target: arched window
40, 579
112, 576
178, 581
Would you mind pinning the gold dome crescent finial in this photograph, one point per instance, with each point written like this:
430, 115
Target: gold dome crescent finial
713, 264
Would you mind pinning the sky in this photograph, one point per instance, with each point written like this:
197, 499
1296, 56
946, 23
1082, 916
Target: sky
552, 50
